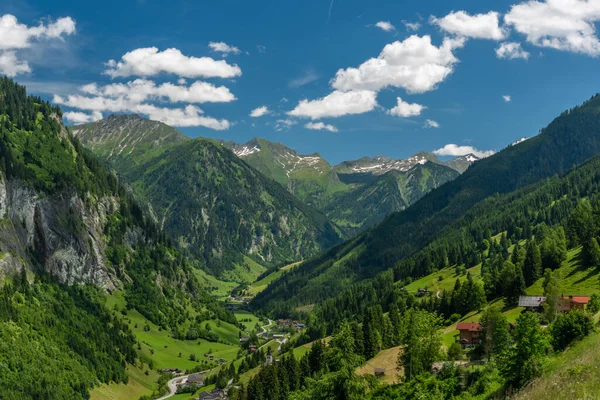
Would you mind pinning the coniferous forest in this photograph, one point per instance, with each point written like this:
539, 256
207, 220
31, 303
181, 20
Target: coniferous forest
98, 295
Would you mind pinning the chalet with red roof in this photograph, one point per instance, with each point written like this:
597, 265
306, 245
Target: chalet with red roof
469, 333
573, 303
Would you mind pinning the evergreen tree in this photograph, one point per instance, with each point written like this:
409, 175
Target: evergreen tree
532, 265
422, 343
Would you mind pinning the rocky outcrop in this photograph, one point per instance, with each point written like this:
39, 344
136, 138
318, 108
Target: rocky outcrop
61, 234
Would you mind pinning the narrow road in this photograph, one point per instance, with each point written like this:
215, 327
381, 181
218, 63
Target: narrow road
173, 386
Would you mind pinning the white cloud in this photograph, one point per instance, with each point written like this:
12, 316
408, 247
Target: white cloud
150, 62
429, 123
182, 81
414, 64
511, 50
188, 116
259, 112
386, 26
141, 90
479, 26
224, 48
77, 117
559, 24
455, 150
506, 98
14, 35
11, 66
411, 26
336, 104
405, 109
319, 126
282, 124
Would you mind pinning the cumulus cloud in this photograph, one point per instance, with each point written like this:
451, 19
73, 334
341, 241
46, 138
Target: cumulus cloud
478, 26
405, 109
223, 48
559, 24
455, 150
141, 90
429, 123
15, 36
511, 50
150, 61
259, 112
320, 126
11, 66
78, 118
336, 104
414, 64
506, 98
386, 26
183, 117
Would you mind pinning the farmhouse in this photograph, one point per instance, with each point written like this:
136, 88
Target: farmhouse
244, 339
252, 348
469, 333
573, 303
216, 394
379, 371
531, 302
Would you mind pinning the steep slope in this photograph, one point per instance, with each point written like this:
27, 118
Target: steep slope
354, 194
569, 140
212, 203
308, 177
395, 190
66, 220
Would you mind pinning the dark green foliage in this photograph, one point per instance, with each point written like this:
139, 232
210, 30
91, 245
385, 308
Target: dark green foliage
57, 342
568, 327
524, 362
215, 206
447, 224
532, 266
422, 343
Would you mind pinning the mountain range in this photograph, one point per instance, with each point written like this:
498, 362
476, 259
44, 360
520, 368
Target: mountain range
568, 141
353, 194
225, 209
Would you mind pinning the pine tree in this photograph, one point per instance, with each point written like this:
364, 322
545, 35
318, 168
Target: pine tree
532, 266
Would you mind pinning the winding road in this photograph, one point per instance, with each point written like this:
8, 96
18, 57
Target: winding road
172, 384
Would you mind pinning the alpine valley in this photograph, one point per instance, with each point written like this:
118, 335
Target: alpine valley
138, 263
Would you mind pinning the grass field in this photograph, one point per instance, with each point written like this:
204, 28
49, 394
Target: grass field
245, 315
262, 284
574, 279
443, 279
158, 346
247, 272
387, 359
218, 288
139, 384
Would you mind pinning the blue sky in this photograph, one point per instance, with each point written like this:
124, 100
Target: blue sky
453, 70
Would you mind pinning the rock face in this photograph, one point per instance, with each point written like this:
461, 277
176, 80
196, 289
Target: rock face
60, 234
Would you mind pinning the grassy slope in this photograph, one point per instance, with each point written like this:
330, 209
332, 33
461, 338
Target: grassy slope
139, 384
575, 279
574, 374
387, 359
262, 284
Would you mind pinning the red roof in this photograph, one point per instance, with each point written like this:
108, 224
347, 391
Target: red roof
578, 299
468, 326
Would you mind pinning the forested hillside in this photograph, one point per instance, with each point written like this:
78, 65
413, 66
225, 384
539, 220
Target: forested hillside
515, 243
215, 206
569, 140
355, 195
67, 222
